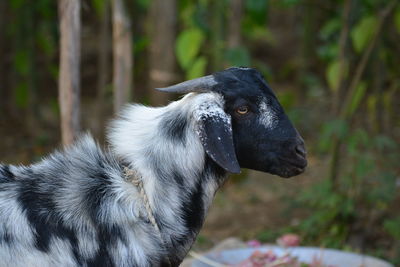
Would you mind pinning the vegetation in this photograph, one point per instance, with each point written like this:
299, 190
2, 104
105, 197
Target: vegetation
333, 64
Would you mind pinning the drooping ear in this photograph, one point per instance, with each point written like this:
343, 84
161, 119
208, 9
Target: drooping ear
215, 131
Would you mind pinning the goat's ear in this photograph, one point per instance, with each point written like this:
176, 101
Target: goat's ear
215, 133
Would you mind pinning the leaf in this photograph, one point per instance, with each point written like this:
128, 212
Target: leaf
357, 97
333, 74
329, 28
188, 45
363, 32
197, 69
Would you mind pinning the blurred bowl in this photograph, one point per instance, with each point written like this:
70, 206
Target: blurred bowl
330, 257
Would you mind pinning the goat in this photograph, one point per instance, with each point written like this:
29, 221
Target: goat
76, 207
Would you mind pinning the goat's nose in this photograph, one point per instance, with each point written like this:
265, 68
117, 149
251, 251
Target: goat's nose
300, 150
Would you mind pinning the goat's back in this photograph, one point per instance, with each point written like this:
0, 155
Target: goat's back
72, 209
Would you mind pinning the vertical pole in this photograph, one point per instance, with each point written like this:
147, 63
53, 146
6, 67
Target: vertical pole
122, 55
69, 78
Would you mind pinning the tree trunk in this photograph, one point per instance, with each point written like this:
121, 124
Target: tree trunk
162, 53
102, 68
122, 55
69, 87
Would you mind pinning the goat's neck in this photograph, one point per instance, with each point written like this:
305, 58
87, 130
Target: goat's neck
179, 179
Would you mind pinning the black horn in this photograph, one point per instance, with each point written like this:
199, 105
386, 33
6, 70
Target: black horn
202, 84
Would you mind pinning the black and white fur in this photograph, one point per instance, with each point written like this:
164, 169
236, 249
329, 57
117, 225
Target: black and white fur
76, 207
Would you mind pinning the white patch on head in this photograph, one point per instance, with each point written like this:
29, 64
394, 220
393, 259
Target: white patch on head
210, 105
268, 117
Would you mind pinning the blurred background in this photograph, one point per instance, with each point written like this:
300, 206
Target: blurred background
334, 66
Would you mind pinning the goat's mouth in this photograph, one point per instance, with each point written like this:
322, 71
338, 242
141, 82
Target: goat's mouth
290, 167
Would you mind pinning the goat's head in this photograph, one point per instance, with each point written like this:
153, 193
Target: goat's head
250, 129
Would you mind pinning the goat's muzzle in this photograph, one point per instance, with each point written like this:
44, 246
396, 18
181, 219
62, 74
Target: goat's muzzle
295, 160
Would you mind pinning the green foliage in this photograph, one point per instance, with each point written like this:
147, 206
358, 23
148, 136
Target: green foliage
254, 22
337, 128
256, 10
333, 73
329, 221
141, 43
356, 99
392, 227
198, 68
362, 33
330, 28
367, 184
99, 6
188, 47
143, 4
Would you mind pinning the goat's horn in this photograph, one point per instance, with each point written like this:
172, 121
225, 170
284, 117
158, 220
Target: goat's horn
202, 84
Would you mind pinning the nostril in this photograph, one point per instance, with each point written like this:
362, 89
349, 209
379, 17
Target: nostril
300, 150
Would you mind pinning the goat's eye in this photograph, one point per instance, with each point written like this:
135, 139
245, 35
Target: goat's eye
242, 110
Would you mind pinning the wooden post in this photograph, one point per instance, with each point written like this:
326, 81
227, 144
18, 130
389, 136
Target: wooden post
162, 48
103, 67
69, 78
122, 54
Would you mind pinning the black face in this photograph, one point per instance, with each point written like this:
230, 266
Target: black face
263, 136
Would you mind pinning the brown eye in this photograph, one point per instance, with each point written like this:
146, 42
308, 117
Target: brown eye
242, 110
